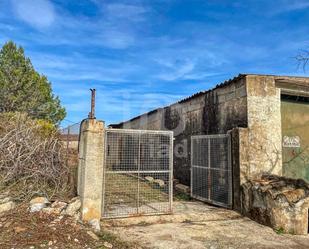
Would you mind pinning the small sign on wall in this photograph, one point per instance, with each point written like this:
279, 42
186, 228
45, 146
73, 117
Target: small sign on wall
291, 142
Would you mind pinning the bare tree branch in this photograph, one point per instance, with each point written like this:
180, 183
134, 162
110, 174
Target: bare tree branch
29, 160
302, 58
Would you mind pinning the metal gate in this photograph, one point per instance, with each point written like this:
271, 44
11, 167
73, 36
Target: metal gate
138, 172
211, 173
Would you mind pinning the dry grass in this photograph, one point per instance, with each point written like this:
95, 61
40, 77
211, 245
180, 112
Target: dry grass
122, 189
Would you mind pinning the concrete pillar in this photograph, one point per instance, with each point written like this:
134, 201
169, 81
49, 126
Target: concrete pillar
264, 126
241, 173
90, 168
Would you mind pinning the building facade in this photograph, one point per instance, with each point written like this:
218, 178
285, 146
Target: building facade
266, 115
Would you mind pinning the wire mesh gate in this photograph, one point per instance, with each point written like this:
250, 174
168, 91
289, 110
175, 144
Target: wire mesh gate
138, 173
211, 172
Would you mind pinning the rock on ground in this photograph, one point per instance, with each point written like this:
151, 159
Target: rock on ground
149, 178
73, 207
7, 206
159, 182
182, 188
95, 224
279, 202
38, 203
108, 245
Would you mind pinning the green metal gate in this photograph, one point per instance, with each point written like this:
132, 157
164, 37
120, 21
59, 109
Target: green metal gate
295, 136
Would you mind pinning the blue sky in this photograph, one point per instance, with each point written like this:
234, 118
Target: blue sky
144, 54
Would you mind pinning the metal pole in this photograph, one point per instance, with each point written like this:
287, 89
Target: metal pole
68, 145
171, 161
92, 112
138, 170
209, 171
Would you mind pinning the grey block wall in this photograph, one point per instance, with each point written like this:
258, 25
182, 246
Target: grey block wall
212, 112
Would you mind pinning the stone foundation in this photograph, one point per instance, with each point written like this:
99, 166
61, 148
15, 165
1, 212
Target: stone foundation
278, 202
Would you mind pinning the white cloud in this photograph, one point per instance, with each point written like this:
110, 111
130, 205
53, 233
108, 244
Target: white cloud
65, 67
296, 5
200, 75
37, 13
288, 6
125, 11
116, 39
177, 71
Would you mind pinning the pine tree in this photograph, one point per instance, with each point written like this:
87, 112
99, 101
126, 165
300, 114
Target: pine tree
22, 89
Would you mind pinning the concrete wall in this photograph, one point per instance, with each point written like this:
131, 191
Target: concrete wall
264, 126
211, 112
247, 101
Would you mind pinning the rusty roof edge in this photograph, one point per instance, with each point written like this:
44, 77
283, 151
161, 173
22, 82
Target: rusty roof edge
223, 84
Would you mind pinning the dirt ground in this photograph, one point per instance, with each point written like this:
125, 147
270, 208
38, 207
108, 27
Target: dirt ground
198, 225
20, 229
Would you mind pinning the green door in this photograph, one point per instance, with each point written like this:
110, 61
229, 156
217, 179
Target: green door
295, 136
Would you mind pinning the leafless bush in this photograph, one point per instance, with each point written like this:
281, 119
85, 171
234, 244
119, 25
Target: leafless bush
302, 59
31, 158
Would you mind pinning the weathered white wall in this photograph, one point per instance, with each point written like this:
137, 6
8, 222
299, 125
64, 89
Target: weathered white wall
264, 126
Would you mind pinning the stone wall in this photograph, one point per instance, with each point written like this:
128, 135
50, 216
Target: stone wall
278, 202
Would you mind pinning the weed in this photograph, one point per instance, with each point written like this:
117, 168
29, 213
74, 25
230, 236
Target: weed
179, 196
279, 231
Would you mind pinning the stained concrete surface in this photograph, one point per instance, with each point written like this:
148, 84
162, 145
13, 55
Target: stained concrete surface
198, 225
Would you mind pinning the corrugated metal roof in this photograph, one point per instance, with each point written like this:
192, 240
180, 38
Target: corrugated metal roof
223, 84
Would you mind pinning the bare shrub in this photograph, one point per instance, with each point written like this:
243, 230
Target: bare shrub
32, 160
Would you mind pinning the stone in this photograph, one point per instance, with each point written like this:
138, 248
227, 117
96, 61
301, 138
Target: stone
281, 204
258, 199
8, 224
175, 181
107, 244
50, 210
59, 205
5, 199
55, 208
159, 182
73, 207
4, 207
95, 224
265, 188
39, 200
149, 178
3, 195
182, 188
19, 229
294, 196
38, 203
77, 216
93, 235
